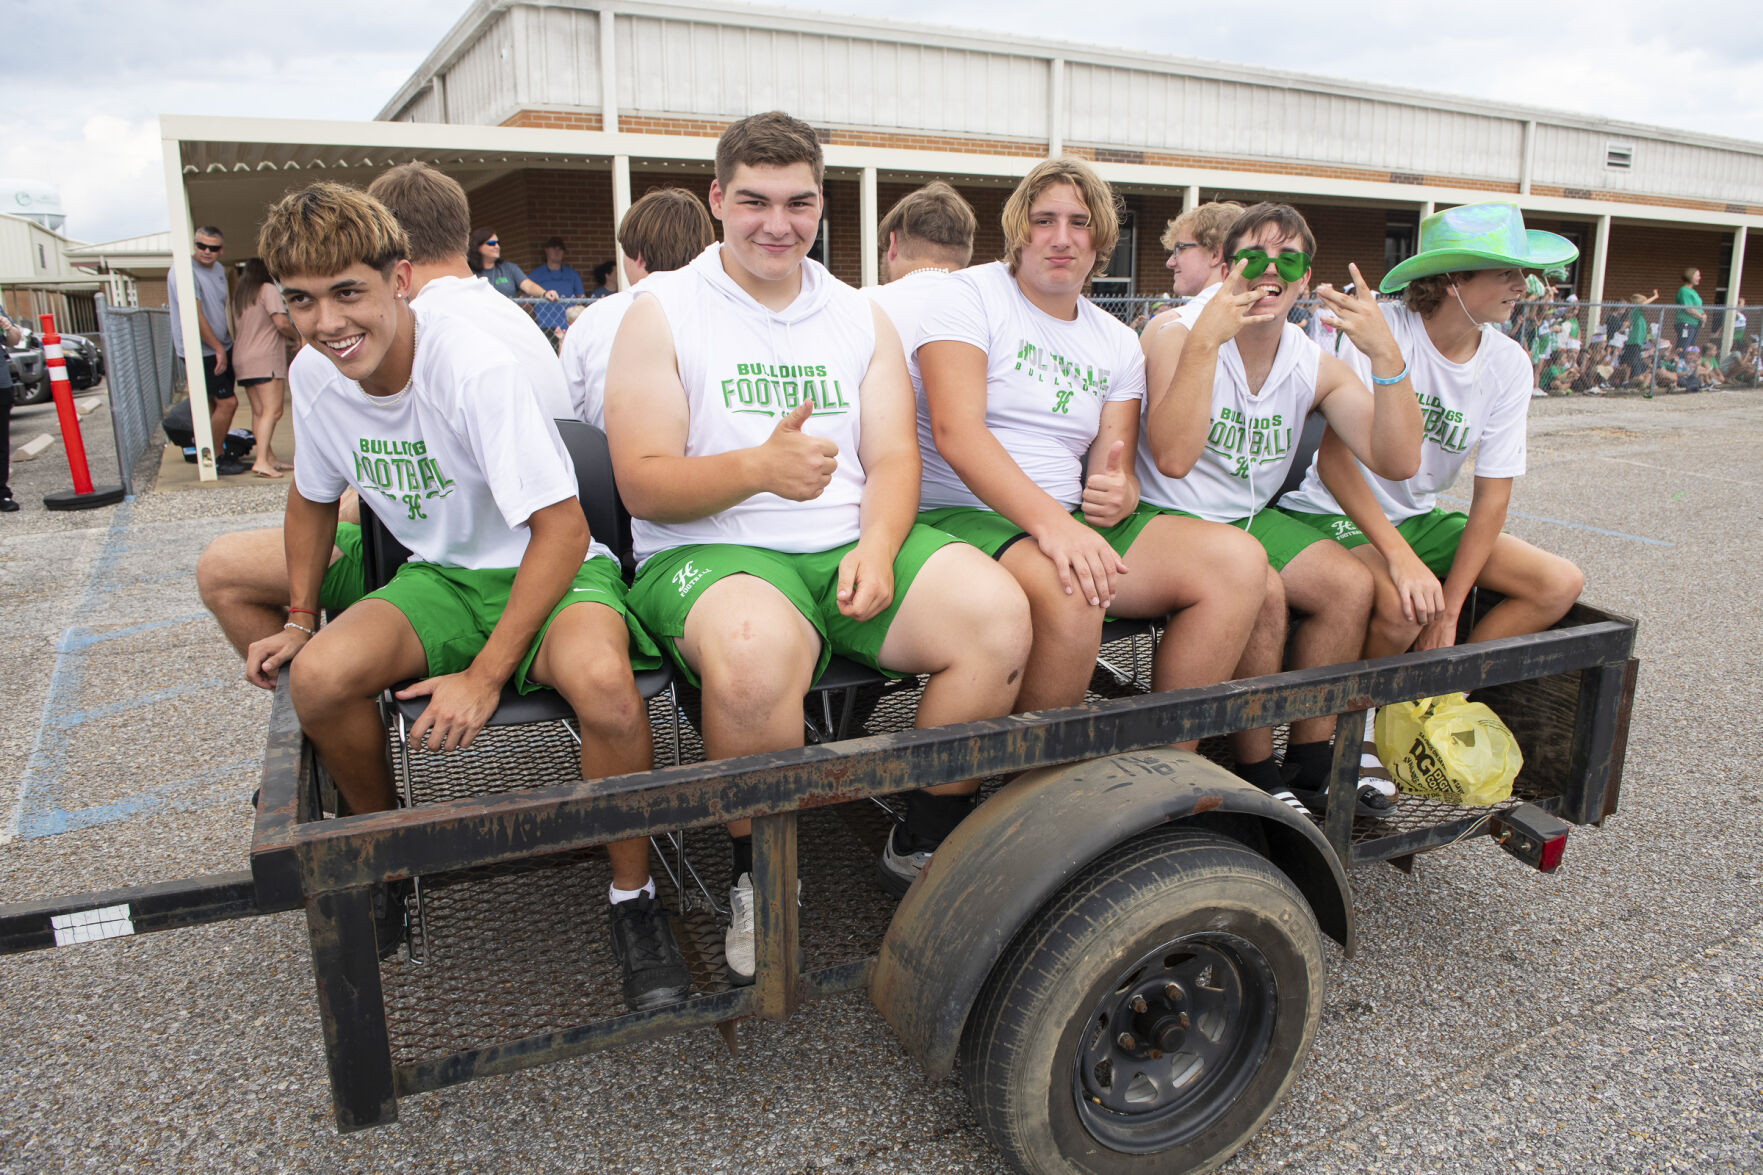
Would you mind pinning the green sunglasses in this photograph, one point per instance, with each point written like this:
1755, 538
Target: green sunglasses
1290, 266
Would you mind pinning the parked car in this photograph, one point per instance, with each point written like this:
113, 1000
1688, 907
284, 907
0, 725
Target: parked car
30, 374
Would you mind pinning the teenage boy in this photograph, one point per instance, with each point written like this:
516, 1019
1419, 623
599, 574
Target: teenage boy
928, 235
242, 575
660, 233
1222, 435
1028, 416
1473, 383
761, 428
432, 420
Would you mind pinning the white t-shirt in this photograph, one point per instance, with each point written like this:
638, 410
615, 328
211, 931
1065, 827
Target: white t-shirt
1188, 311
454, 465
475, 301
1486, 399
1249, 440
743, 368
905, 301
587, 346
1046, 380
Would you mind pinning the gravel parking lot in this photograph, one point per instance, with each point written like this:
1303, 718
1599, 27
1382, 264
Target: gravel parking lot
1605, 1018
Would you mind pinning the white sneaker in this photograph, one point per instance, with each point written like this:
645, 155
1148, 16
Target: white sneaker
737, 942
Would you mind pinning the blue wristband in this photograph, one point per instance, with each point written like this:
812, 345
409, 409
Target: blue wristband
1394, 379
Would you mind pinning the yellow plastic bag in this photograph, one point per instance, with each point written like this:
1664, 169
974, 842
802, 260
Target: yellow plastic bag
1448, 748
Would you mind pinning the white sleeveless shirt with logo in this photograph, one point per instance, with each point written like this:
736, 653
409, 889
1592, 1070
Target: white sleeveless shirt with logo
1249, 440
745, 367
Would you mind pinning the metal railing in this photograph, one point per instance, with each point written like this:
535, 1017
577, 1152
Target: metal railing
138, 368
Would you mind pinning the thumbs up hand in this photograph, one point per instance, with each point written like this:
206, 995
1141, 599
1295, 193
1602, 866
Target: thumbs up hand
795, 464
1108, 493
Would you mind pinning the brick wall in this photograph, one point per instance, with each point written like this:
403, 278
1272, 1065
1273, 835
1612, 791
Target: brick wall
150, 291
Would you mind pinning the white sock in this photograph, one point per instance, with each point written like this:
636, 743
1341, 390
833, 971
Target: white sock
616, 895
1368, 758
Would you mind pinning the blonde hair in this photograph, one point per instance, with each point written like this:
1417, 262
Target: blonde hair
1092, 191
1207, 223
325, 229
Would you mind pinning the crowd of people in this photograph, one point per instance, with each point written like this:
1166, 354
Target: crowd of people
959, 475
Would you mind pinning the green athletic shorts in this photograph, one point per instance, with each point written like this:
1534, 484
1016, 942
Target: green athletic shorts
669, 584
994, 534
1434, 536
1281, 535
453, 610
344, 582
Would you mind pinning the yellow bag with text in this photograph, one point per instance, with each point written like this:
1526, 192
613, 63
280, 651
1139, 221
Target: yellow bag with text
1448, 748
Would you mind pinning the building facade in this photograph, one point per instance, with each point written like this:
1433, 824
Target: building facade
897, 104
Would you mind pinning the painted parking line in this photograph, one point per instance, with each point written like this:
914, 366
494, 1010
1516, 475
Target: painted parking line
39, 809
1615, 534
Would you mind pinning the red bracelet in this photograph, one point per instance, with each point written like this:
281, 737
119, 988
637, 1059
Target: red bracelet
308, 611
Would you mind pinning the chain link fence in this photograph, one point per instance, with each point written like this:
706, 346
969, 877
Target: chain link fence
139, 360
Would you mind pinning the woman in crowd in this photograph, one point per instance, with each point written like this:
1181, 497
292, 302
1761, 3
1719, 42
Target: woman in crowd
505, 277
261, 334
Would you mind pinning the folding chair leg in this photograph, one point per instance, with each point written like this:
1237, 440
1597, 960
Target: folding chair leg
408, 790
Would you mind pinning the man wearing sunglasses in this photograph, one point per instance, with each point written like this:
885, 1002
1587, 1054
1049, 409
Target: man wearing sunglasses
217, 341
1221, 437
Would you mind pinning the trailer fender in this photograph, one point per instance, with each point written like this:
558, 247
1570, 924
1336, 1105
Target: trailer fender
1023, 845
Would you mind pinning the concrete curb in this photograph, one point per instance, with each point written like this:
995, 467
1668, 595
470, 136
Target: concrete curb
31, 448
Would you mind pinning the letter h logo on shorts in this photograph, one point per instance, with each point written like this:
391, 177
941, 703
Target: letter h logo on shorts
685, 577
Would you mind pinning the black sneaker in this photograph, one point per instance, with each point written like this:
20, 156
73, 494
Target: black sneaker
655, 974
897, 869
8, 505
389, 928
229, 467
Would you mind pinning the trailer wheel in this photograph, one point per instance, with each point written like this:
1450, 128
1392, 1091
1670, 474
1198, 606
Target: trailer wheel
1151, 1016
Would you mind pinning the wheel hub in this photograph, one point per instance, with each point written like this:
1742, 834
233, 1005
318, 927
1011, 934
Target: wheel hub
1173, 1041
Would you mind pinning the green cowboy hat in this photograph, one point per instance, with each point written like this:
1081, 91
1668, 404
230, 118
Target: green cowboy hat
1479, 236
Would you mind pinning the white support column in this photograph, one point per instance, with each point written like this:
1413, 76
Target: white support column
1427, 208
1735, 275
181, 284
1190, 197
1529, 157
609, 80
867, 217
621, 203
440, 87
1055, 107
1600, 266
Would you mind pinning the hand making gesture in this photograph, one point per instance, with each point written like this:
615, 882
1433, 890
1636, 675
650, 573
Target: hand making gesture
1356, 315
1228, 312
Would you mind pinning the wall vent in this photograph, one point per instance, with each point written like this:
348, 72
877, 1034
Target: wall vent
1619, 156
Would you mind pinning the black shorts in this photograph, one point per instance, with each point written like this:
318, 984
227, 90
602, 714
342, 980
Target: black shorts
220, 387
255, 380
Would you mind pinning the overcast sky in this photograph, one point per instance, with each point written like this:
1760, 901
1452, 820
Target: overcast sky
87, 81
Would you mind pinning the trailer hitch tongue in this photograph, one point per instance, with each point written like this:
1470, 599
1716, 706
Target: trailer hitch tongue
1534, 836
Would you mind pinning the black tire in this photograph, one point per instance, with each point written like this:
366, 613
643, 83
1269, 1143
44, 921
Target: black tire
1176, 906
27, 394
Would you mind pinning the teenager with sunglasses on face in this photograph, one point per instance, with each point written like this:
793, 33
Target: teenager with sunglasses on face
1473, 383
1221, 436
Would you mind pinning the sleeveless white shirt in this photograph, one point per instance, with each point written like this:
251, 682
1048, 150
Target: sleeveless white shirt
744, 367
1249, 440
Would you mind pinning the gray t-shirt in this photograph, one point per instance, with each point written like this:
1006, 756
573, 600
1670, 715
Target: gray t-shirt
211, 296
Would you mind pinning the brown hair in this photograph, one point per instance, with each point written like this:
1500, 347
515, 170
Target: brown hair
934, 217
1689, 272
1288, 220
1207, 223
1424, 295
253, 276
772, 139
666, 229
325, 229
430, 205
1092, 191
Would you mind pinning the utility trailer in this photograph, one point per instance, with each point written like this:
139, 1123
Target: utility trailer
1120, 951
